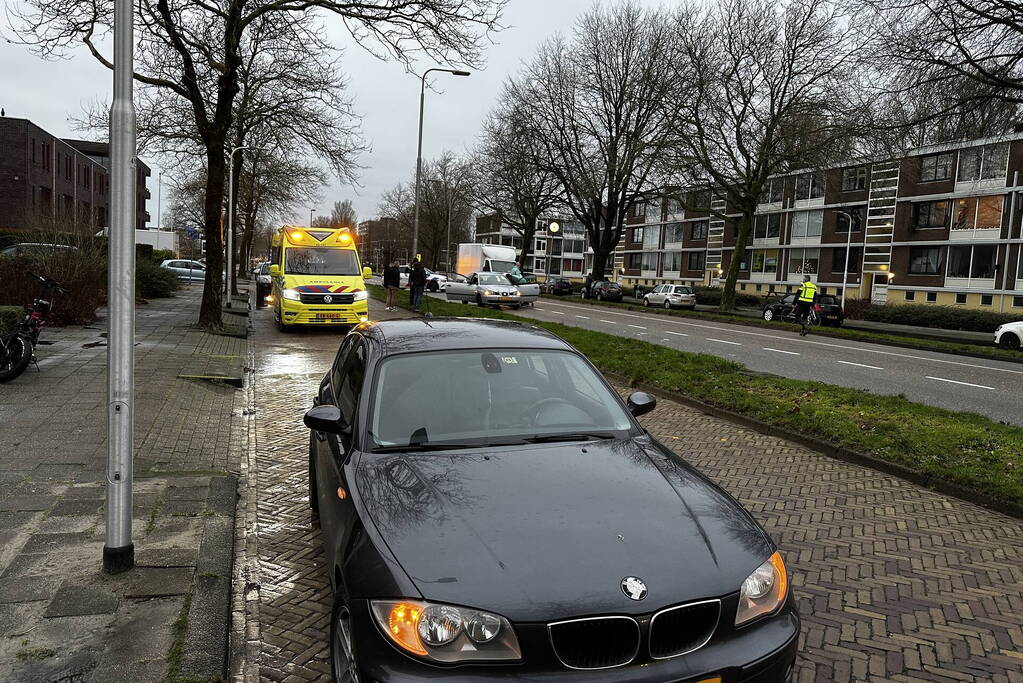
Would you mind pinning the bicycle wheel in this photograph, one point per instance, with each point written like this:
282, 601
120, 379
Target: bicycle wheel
15, 355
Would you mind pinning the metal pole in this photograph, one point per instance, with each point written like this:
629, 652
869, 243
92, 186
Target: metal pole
848, 248
229, 280
448, 245
118, 550
311, 217
159, 196
419, 150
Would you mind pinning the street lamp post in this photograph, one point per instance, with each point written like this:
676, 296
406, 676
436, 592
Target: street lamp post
229, 285
419, 148
848, 248
311, 217
118, 549
552, 229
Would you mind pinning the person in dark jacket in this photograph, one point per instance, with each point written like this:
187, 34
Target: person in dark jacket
392, 280
417, 283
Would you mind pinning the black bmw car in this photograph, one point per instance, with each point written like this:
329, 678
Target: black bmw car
491, 510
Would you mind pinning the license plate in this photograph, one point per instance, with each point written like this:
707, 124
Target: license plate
328, 316
507, 298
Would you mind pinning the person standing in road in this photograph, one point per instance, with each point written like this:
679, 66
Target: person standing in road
417, 283
392, 280
804, 303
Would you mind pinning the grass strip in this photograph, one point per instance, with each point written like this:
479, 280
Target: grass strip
870, 336
965, 448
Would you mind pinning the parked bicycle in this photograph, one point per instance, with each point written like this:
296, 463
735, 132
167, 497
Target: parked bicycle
17, 348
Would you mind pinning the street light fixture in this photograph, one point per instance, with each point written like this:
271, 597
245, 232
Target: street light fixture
228, 288
419, 152
552, 229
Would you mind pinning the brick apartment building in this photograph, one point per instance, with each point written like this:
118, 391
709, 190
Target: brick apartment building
47, 182
940, 224
381, 239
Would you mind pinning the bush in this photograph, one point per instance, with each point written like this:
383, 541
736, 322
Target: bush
161, 255
942, 317
711, 296
154, 282
9, 317
855, 309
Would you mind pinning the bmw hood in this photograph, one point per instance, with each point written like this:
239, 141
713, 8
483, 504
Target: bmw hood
539, 533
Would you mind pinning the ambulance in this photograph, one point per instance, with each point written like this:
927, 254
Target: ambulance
317, 278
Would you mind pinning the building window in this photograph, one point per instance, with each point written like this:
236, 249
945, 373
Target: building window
960, 297
972, 262
651, 236
767, 227
936, 167
697, 260
698, 230
807, 224
765, 261
986, 299
672, 261
809, 186
633, 261
541, 245
910, 295
1017, 302
674, 207
637, 235
980, 213
983, 163
929, 215
924, 260
859, 214
649, 261
673, 233
804, 261
639, 210
932, 297
774, 190
854, 179
838, 259
700, 200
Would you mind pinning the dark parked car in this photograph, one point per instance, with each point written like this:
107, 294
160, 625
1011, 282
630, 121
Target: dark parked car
559, 286
828, 309
491, 509
605, 290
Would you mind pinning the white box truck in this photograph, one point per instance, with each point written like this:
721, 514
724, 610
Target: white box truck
475, 258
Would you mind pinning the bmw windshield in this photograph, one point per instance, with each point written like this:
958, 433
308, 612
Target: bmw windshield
490, 396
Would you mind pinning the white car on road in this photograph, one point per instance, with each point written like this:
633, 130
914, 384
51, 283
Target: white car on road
435, 282
1009, 335
190, 271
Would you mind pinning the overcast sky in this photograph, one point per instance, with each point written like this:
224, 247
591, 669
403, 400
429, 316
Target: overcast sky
50, 93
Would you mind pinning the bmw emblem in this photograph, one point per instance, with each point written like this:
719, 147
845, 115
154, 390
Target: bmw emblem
327, 299
634, 588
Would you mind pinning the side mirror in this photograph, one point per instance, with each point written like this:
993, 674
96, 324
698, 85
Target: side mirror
325, 418
275, 270
641, 403
367, 273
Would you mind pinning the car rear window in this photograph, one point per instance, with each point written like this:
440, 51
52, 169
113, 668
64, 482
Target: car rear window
829, 300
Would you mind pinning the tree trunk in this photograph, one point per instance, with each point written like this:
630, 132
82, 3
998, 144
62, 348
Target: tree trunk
528, 230
741, 238
211, 310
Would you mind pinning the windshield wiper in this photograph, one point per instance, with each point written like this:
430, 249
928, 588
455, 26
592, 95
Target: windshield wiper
420, 447
570, 436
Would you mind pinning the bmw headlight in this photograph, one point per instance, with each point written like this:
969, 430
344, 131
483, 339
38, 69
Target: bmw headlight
445, 633
361, 296
763, 591
292, 294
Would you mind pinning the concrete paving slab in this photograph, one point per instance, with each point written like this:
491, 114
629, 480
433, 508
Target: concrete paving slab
153, 582
75, 600
166, 557
29, 589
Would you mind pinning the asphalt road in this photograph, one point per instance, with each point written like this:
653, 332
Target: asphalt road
991, 388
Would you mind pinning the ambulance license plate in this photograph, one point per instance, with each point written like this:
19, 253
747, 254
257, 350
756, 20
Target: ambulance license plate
328, 316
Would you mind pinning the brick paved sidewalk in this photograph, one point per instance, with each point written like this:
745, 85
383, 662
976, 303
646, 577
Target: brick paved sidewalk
894, 582
61, 618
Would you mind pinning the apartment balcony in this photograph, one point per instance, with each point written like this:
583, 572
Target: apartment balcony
974, 234
969, 283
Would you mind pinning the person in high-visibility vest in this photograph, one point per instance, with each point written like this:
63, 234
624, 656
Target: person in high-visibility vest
804, 302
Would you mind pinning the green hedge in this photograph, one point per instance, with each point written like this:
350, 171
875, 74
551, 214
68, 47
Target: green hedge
9, 317
154, 282
711, 296
942, 317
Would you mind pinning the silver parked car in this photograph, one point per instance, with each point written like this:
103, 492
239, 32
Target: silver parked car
493, 289
671, 296
190, 271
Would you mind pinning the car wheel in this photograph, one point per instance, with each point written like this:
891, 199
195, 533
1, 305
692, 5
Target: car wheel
693, 307
432, 286
646, 301
479, 300
344, 665
314, 496
516, 307
1010, 341
599, 297
768, 314
667, 305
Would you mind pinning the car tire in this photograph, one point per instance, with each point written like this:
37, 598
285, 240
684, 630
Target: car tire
667, 305
344, 662
314, 495
768, 314
1010, 341
599, 297
646, 301
280, 324
21, 356
516, 307
479, 301
432, 286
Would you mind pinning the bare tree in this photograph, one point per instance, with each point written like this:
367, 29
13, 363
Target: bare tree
508, 182
193, 52
771, 87
600, 107
342, 215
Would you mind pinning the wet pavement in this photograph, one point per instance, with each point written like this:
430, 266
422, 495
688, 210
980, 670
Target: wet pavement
894, 582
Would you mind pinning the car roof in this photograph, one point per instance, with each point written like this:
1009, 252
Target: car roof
443, 334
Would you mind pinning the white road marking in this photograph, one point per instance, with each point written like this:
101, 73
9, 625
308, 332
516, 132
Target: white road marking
722, 341
584, 317
965, 384
737, 329
791, 353
859, 365
609, 322
677, 334
638, 327
557, 312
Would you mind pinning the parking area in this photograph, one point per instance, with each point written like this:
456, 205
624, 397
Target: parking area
894, 582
